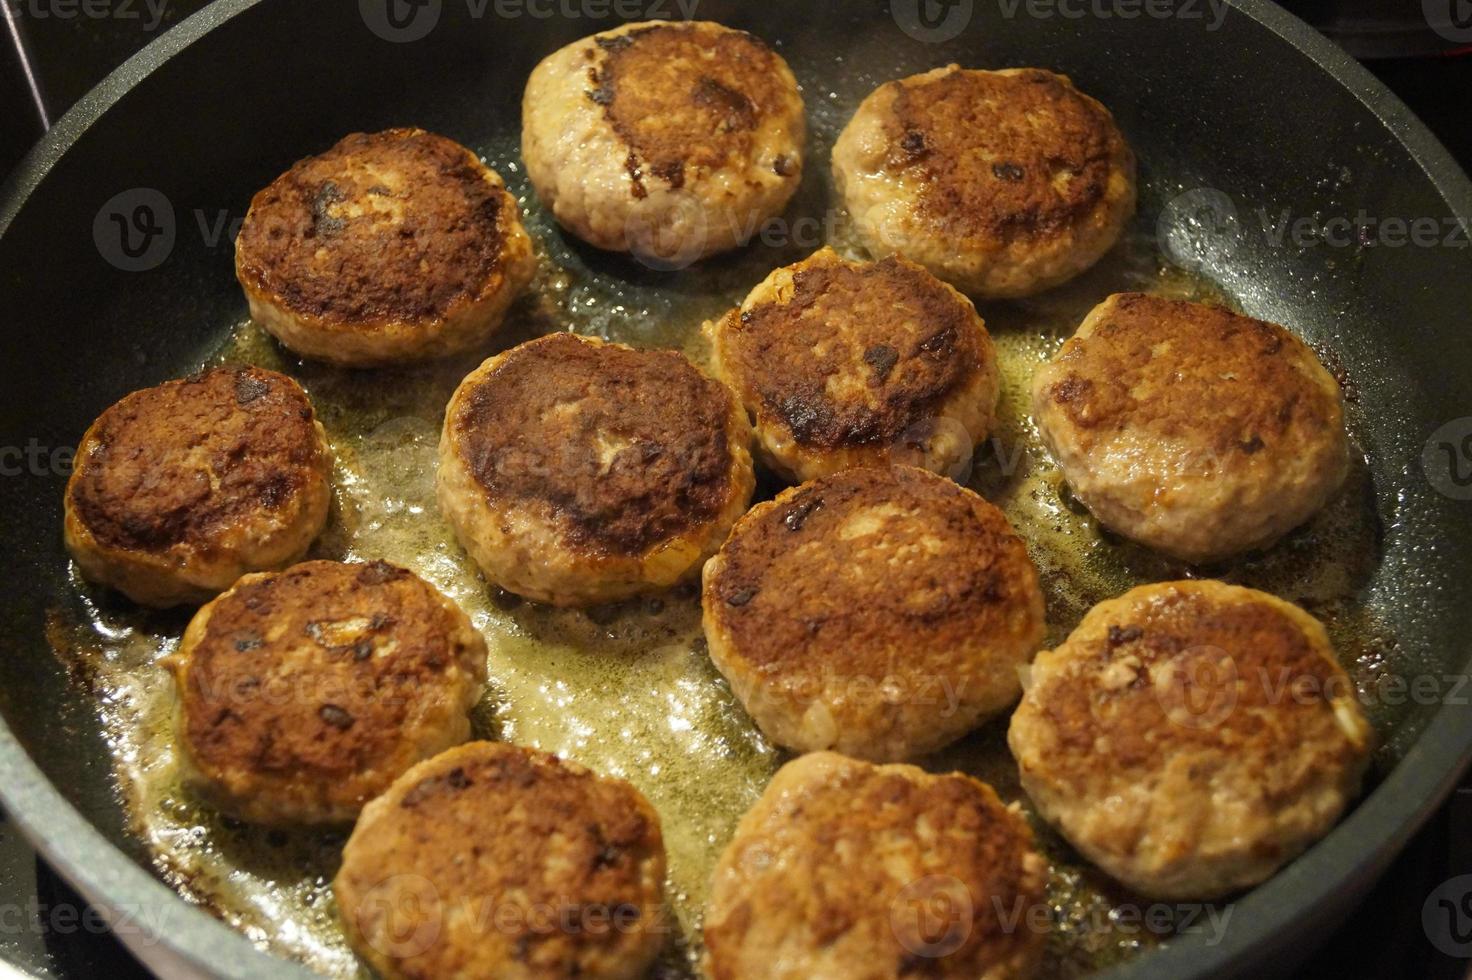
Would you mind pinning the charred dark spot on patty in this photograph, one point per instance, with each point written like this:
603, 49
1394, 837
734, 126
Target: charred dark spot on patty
882, 358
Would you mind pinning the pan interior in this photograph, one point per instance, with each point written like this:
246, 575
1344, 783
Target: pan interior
627, 689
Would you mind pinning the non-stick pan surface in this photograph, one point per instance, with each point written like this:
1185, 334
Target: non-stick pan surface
1246, 107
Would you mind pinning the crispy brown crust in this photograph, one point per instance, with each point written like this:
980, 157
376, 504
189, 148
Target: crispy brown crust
1174, 369
497, 828
395, 226
1181, 668
315, 673
626, 448
889, 334
988, 150
685, 97
798, 594
190, 461
814, 864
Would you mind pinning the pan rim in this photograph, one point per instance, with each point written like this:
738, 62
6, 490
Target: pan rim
186, 938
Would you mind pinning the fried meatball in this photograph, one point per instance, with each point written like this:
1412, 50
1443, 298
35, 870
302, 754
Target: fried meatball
492, 860
1002, 183
180, 489
845, 870
846, 364
878, 612
1191, 737
303, 694
673, 141
391, 246
1190, 429
575, 471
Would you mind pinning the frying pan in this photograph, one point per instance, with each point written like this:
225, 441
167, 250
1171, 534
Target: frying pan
1255, 109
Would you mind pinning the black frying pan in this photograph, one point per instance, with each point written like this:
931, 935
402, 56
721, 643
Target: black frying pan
1258, 108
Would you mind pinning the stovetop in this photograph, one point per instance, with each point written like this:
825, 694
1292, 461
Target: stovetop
1400, 929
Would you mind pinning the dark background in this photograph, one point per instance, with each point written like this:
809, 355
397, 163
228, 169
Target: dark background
47, 62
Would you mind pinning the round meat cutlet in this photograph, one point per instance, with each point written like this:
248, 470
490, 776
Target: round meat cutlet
1002, 183
846, 364
878, 612
673, 141
492, 860
303, 694
846, 870
391, 246
575, 471
180, 489
1191, 737
1195, 431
